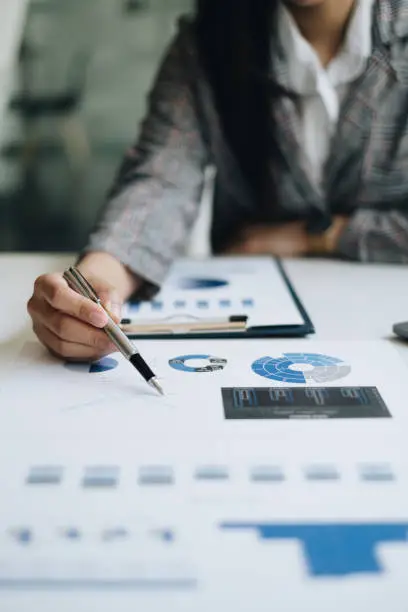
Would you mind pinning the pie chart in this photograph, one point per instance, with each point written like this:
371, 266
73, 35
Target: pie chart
301, 368
95, 367
209, 363
202, 283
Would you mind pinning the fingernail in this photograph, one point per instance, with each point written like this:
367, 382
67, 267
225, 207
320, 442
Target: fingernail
97, 318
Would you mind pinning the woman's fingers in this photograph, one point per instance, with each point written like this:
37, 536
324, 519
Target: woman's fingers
66, 349
68, 328
55, 291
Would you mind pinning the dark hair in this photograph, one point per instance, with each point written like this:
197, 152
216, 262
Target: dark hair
234, 43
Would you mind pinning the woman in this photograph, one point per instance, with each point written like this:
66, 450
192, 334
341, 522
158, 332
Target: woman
301, 105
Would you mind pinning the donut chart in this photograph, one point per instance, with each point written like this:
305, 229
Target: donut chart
181, 363
301, 368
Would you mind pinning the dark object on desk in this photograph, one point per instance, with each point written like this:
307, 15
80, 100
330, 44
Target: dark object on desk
401, 330
304, 404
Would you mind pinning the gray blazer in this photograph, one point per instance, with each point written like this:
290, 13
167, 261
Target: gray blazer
156, 196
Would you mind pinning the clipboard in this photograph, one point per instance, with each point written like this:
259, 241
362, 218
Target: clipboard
234, 325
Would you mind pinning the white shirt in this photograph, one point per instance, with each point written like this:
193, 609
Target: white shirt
322, 90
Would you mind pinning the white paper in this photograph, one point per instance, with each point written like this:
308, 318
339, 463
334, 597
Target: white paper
177, 519
222, 287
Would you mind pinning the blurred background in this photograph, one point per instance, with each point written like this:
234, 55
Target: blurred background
74, 75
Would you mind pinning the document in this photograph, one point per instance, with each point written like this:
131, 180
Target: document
222, 287
213, 388
270, 471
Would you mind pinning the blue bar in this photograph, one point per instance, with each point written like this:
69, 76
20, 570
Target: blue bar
377, 473
156, 475
322, 473
333, 549
267, 473
212, 472
101, 476
45, 475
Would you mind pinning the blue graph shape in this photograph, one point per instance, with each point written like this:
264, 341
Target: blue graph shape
202, 283
165, 535
72, 533
23, 535
244, 397
277, 369
333, 549
358, 394
277, 395
114, 533
96, 367
321, 368
214, 363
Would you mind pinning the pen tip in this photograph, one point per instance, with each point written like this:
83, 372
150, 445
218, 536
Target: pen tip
155, 383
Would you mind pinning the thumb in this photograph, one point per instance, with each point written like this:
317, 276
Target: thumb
113, 305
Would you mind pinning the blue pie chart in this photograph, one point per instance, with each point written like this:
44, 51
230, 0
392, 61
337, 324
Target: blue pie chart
95, 367
202, 283
301, 368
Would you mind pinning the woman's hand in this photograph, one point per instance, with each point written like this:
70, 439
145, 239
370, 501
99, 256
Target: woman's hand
288, 240
70, 325
285, 240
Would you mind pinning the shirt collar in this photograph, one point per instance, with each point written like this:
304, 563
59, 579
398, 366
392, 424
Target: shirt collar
302, 63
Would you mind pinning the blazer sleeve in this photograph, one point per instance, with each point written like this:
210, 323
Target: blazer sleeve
155, 198
376, 236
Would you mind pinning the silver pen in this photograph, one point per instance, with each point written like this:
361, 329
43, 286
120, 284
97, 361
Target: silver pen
78, 283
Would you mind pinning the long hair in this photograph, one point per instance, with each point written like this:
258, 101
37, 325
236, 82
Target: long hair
234, 43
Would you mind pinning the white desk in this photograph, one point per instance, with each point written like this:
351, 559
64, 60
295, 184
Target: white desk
12, 21
344, 300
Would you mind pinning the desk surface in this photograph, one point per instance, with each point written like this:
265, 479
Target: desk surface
346, 301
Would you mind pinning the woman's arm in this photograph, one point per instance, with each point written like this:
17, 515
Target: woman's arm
155, 199
366, 236
375, 236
